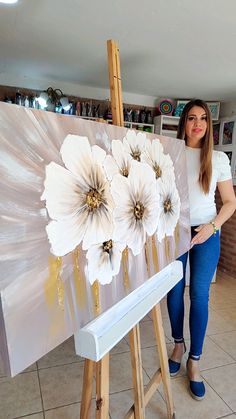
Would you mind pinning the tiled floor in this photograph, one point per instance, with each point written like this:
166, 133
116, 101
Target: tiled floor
51, 388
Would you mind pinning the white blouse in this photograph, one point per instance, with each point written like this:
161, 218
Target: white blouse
202, 206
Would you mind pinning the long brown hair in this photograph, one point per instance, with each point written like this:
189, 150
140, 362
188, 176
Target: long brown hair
205, 173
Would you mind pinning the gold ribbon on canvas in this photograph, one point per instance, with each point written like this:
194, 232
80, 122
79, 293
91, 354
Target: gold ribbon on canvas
167, 249
54, 285
155, 254
147, 258
79, 280
96, 297
125, 266
176, 240
54, 290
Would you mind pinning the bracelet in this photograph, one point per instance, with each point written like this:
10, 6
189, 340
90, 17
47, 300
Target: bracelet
215, 229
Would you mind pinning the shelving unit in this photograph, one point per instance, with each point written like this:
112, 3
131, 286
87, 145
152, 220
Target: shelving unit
132, 125
166, 125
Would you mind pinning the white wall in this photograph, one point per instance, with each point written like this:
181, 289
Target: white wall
227, 109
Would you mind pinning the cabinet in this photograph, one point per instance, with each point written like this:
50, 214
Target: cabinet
166, 125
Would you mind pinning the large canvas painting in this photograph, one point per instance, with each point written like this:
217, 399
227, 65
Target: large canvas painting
89, 211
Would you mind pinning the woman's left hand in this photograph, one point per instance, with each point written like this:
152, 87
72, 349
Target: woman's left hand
204, 232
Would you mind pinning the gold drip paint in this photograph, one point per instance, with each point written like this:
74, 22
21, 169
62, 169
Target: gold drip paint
154, 254
54, 286
167, 249
60, 292
96, 297
79, 281
147, 258
55, 296
125, 266
69, 299
176, 240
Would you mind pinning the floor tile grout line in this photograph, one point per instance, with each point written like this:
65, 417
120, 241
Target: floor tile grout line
40, 389
218, 395
215, 368
217, 344
28, 415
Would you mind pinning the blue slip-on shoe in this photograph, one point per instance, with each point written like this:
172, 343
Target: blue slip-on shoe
174, 366
197, 388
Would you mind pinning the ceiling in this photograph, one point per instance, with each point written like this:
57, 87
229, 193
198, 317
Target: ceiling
168, 48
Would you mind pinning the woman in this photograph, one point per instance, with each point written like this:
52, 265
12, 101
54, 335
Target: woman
206, 170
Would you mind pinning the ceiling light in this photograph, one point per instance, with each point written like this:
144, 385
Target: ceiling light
8, 1
52, 98
42, 100
64, 101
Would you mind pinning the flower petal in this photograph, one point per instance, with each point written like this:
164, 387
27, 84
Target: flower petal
61, 192
110, 167
99, 228
120, 189
76, 154
98, 154
65, 235
141, 176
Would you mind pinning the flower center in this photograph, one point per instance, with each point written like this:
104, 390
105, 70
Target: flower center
138, 210
167, 205
107, 246
124, 171
136, 153
93, 199
157, 170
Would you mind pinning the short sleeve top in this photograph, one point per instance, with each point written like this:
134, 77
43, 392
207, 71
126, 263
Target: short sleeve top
202, 206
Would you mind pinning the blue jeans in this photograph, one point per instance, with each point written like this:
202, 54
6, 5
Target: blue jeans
203, 260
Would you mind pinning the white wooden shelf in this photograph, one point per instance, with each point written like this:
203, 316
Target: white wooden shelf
166, 125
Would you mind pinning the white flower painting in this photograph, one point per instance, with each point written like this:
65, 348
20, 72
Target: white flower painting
161, 163
85, 211
134, 144
137, 206
170, 208
119, 162
78, 197
108, 202
104, 261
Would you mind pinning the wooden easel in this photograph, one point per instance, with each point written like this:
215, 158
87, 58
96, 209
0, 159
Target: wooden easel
141, 397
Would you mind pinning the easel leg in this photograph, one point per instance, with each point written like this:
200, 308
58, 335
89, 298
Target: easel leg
102, 388
87, 389
160, 339
137, 373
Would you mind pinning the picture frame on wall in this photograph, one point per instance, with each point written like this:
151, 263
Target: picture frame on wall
215, 110
213, 106
229, 154
216, 133
228, 129
180, 107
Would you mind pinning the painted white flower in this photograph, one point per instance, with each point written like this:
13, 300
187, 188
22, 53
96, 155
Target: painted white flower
103, 137
120, 162
104, 261
161, 163
78, 197
134, 144
137, 206
170, 208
